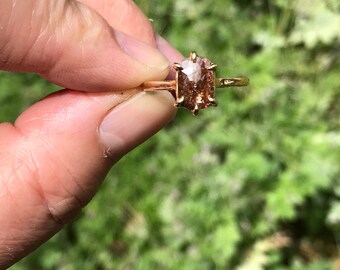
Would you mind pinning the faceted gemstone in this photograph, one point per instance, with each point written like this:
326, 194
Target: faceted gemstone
195, 84
192, 70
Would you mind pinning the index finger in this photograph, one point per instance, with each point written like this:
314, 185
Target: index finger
125, 16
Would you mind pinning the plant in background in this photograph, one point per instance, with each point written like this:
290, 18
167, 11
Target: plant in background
251, 184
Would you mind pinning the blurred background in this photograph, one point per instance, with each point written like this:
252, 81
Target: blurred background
251, 184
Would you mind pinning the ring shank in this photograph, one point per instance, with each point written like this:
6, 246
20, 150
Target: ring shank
229, 82
159, 85
171, 85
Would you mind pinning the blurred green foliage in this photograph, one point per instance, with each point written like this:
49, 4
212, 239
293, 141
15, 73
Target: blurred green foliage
252, 184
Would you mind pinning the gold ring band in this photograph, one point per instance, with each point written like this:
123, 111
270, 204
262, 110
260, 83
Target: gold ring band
171, 84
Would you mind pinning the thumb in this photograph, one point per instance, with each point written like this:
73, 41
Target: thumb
56, 155
71, 45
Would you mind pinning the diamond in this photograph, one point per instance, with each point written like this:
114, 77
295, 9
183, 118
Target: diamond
191, 69
195, 83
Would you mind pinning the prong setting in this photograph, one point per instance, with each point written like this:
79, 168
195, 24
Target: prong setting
179, 101
193, 56
177, 66
195, 111
212, 67
195, 83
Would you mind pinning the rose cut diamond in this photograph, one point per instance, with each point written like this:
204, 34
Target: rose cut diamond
192, 70
195, 83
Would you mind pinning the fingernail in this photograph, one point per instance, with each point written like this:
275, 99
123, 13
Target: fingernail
135, 120
141, 51
170, 53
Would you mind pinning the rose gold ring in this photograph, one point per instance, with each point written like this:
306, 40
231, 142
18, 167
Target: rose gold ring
195, 83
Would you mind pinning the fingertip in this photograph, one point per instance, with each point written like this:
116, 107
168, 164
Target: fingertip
170, 53
156, 62
132, 122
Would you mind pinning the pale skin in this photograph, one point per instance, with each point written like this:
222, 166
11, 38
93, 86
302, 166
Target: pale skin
58, 151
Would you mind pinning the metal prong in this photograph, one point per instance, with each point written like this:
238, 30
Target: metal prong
212, 67
177, 66
179, 101
210, 98
193, 56
212, 101
195, 110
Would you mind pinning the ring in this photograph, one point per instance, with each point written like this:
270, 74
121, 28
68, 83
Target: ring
195, 83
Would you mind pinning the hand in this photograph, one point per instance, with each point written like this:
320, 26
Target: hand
55, 156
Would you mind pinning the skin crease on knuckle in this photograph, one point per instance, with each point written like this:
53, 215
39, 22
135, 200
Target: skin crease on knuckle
24, 178
28, 160
44, 29
119, 12
74, 23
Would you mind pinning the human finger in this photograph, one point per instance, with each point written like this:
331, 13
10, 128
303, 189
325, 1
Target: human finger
55, 156
126, 16
72, 45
